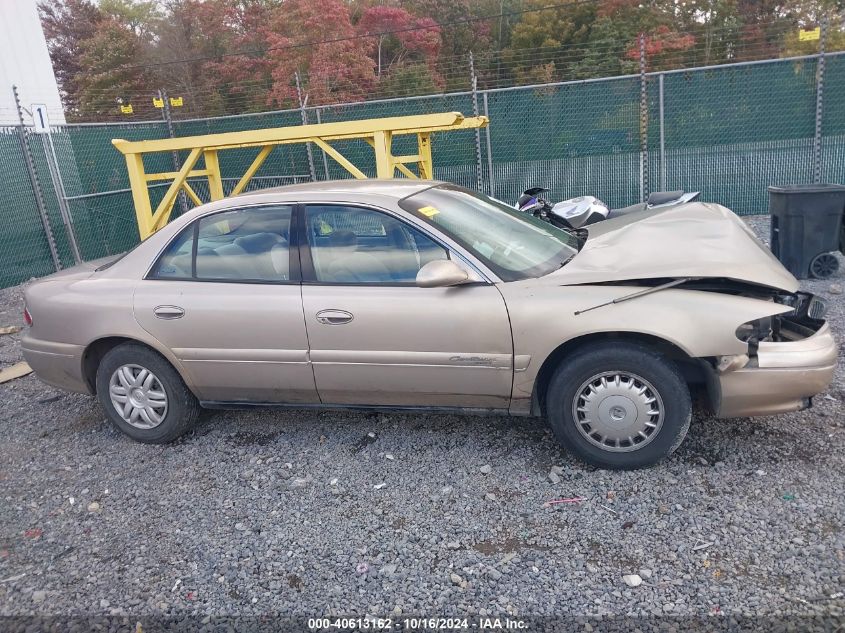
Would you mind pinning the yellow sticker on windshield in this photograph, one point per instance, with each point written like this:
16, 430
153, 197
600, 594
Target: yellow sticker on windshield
428, 212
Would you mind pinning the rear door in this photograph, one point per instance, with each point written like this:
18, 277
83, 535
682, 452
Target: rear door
378, 339
225, 298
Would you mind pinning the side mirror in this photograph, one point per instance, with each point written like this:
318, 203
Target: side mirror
441, 273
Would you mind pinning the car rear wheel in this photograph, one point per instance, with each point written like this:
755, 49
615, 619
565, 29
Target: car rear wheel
144, 396
619, 406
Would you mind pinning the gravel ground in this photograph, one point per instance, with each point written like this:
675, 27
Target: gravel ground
302, 513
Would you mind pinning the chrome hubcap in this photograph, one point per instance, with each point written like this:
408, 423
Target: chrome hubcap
138, 396
618, 411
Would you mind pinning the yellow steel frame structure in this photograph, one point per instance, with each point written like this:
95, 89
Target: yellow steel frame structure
378, 133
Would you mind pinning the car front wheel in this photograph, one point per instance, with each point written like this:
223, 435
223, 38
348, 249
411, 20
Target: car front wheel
144, 396
619, 406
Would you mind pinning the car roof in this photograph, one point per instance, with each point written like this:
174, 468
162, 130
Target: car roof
391, 188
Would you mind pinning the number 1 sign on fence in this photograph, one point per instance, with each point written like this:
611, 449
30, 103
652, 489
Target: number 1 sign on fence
39, 118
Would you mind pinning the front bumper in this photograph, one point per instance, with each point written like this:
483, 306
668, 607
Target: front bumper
784, 379
57, 364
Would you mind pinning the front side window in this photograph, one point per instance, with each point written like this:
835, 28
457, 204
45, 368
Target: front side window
514, 245
241, 245
356, 245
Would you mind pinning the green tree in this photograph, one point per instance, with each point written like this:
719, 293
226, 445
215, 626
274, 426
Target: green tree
547, 44
109, 76
410, 79
138, 15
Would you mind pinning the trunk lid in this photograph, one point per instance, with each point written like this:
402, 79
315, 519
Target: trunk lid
81, 271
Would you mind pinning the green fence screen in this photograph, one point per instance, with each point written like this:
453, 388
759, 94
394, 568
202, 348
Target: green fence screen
727, 131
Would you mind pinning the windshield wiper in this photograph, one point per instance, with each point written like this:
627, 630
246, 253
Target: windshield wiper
567, 260
641, 293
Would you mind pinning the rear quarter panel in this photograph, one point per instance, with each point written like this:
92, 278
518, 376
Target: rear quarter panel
71, 314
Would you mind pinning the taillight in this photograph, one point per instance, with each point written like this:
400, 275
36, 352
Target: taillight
27, 317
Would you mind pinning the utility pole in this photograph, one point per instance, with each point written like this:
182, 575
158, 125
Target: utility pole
177, 164
304, 112
474, 84
817, 137
643, 122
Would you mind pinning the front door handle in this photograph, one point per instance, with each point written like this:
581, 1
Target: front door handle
334, 317
169, 312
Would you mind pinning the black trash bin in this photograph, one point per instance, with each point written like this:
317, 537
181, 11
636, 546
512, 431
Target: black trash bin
807, 227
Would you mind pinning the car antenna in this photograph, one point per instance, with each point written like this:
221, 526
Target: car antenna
641, 293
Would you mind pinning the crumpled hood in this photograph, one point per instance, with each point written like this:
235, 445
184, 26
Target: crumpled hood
691, 240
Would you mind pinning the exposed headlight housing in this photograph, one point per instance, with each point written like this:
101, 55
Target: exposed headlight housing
804, 304
817, 308
755, 331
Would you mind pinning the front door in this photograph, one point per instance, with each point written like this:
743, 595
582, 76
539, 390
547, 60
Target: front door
378, 339
225, 299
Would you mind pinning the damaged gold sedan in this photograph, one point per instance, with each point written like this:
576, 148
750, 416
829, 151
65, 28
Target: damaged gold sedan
427, 296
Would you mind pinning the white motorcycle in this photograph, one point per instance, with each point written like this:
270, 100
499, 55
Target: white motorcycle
582, 211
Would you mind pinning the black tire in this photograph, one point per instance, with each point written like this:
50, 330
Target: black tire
824, 266
591, 361
182, 406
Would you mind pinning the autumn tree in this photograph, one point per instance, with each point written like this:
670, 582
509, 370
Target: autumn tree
193, 56
316, 39
231, 56
465, 31
398, 35
244, 73
404, 48
579, 40
67, 26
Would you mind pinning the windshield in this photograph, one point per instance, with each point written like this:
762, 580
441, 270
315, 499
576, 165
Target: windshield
512, 244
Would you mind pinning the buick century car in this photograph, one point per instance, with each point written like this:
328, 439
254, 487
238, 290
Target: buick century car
428, 296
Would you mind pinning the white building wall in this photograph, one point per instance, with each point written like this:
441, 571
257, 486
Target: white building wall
25, 62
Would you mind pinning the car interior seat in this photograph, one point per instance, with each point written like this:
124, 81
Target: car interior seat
262, 256
346, 263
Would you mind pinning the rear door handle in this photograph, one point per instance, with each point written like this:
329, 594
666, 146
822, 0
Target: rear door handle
334, 317
169, 312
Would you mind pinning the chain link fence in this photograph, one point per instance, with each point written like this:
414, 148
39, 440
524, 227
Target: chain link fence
728, 131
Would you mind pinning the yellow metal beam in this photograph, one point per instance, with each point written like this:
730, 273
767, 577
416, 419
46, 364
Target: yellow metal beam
340, 158
406, 171
384, 161
215, 178
254, 167
140, 194
298, 134
170, 175
425, 166
191, 193
378, 133
162, 213
407, 159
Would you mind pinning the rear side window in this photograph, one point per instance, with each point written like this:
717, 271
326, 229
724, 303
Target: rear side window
247, 245
176, 260
241, 245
